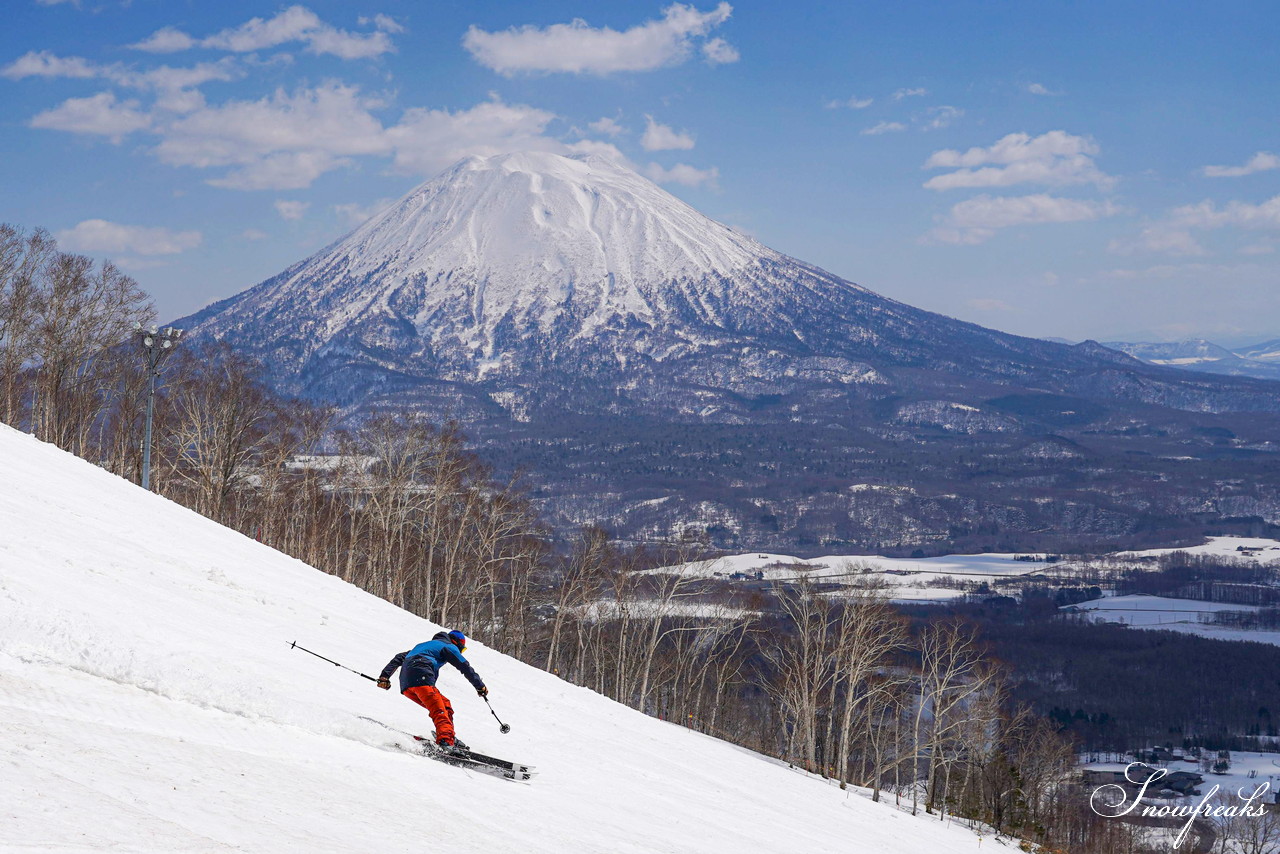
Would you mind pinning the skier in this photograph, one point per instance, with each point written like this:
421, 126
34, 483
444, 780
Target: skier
420, 667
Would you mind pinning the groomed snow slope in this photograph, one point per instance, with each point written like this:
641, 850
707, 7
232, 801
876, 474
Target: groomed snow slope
149, 701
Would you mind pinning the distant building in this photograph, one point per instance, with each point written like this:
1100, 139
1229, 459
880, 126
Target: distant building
1172, 784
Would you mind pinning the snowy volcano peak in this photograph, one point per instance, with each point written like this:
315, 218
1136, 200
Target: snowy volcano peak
577, 217
531, 275
528, 261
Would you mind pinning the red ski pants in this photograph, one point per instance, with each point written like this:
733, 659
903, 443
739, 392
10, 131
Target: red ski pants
437, 704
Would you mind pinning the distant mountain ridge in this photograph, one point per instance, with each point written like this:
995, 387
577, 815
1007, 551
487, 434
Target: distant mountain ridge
1261, 361
654, 368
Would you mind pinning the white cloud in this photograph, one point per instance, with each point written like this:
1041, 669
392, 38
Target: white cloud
978, 219
99, 235
100, 115
941, 117
1197, 272
682, 173
426, 141
165, 40
345, 45
1260, 162
607, 126
45, 64
853, 102
282, 142
579, 48
1040, 89
1262, 248
884, 127
294, 24
386, 23
254, 234
1158, 238
660, 137
607, 150
164, 78
283, 170
1056, 158
1208, 214
1015, 148
289, 209
354, 214
179, 101
285, 141
909, 93
717, 51
1174, 234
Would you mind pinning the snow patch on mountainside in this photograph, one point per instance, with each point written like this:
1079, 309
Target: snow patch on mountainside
954, 417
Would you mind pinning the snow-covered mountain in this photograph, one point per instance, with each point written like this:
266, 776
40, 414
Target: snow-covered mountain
514, 277
653, 368
150, 702
1267, 351
527, 263
1196, 354
1193, 351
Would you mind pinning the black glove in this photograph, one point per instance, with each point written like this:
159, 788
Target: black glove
483, 692
384, 683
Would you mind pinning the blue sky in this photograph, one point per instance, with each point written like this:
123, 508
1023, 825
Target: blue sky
1074, 169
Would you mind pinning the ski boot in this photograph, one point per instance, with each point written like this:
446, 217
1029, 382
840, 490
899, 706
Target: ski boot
454, 746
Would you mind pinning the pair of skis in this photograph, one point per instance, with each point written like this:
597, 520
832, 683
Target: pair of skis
461, 757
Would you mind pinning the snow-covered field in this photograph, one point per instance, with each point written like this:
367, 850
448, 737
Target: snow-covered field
149, 702
1176, 615
1152, 611
1249, 549
910, 578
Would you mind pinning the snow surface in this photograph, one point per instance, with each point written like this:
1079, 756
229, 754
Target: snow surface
909, 578
584, 217
1266, 551
1139, 609
1162, 613
149, 701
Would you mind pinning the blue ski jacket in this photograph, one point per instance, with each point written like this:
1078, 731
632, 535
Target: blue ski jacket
421, 665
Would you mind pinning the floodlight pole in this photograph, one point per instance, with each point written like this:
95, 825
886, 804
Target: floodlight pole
156, 344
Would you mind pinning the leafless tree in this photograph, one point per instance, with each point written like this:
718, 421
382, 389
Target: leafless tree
23, 264
223, 416
953, 674
869, 635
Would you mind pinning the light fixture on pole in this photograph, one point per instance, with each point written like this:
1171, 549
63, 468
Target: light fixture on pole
156, 345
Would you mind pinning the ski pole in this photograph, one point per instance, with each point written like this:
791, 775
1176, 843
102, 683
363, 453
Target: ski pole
502, 728
294, 645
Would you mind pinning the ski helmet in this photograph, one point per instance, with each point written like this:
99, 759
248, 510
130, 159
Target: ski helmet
458, 639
